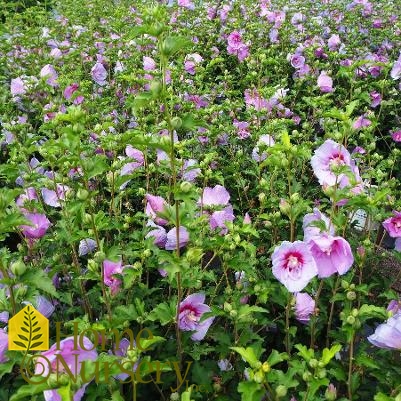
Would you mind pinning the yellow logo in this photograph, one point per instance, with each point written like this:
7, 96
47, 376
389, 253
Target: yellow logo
28, 331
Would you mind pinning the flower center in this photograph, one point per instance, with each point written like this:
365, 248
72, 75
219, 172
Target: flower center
337, 160
192, 317
292, 263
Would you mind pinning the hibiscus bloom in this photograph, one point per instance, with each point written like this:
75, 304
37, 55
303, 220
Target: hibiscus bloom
111, 268
171, 238
3, 345
87, 245
99, 74
293, 265
388, 335
326, 158
40, 224
264, 141
191, 311
325, 82
304, 307
331, 254
396, 69
393, 225
74, 357
155, 205
53, 198
216, 196
312, 230
50, 73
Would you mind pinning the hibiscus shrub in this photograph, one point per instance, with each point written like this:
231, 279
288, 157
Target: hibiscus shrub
220, 178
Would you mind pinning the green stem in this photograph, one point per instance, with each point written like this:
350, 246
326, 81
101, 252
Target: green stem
314, 318
173, 183
351, 358
329, 322
287, 324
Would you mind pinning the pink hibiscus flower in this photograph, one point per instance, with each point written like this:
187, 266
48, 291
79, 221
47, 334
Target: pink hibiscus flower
293, 265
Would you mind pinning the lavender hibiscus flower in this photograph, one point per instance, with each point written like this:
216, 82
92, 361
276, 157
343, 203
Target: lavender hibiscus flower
190, 313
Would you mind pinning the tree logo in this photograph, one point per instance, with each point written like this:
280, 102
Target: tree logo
28, 331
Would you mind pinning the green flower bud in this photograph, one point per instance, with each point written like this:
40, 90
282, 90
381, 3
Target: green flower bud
147, 253
350, 320
233, 313
227, 307
185, 186
87, 219
281, 391
266, 367
99, 256
176, 122
82, 194
351, 295
313, 363
259, 377
93, 266
355, 312
18, 268
21, 292
156, 88
331, 393
174, 397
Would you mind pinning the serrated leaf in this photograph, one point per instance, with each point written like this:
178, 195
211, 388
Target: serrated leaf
250, 391
163, 313
328, 354
27, 391
382, 397
248, 354
306, 353
276, 357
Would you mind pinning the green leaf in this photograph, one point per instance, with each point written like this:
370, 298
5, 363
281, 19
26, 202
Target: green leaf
382, 397
189, 122
364, 360
306, 353
276, 357
372, 311
250, 391
248, 354
116, 396
94, 166
173, 44
148, 342
28, 390
328, 354
36, 278
65, 392
163, 312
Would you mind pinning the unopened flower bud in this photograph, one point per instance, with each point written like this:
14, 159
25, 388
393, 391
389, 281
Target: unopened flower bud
18, 268
281, 391
331, 393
